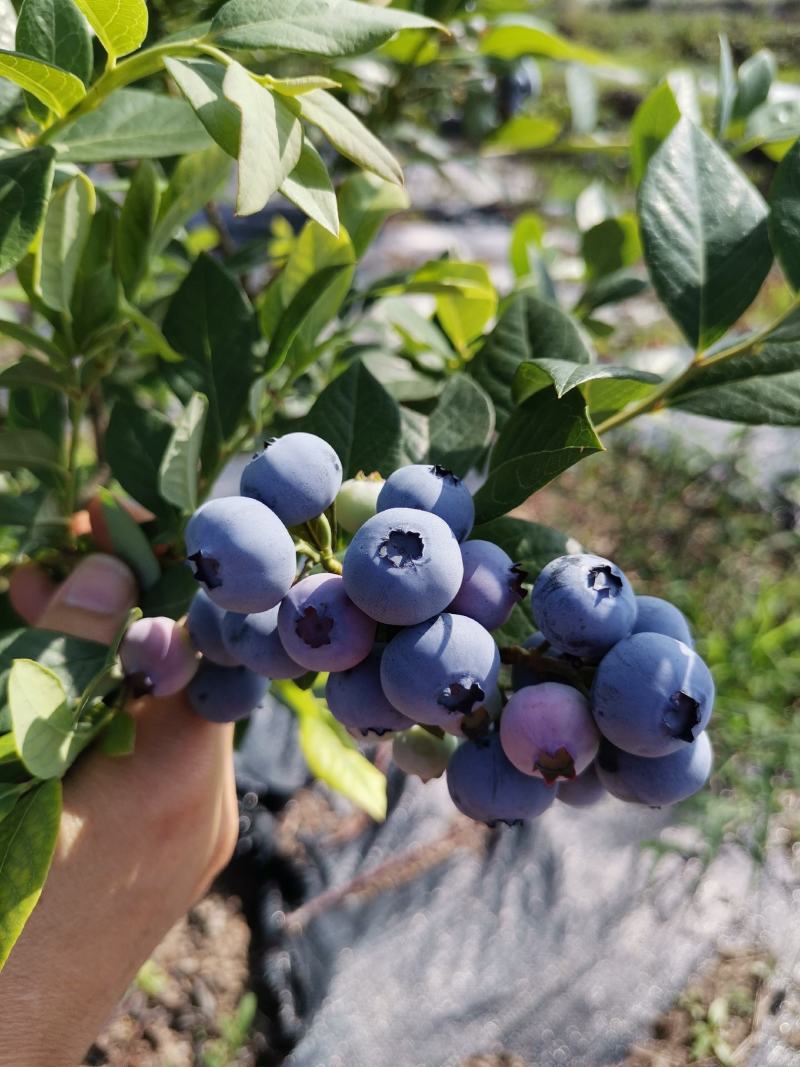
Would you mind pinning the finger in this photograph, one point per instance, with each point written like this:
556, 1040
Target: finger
93, 602
30, 589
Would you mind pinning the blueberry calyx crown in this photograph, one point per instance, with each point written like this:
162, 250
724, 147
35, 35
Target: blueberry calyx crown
555, 765
314, 627
605, 582
445, 474
518, 576
206, 570
402, 548
682, 717
461, 697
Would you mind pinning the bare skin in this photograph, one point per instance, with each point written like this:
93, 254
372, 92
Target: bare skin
141, 839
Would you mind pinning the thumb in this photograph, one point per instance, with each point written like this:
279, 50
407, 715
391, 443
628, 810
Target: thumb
93, 601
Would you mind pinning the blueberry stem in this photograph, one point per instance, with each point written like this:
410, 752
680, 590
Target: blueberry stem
319, 530
535, 657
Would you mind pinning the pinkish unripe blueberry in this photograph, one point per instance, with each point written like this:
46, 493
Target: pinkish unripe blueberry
158, 657
547, 730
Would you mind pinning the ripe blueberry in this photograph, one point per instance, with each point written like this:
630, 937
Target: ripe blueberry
433, 489
547, 730
658, 616
652, 695
357, 501
242, 554
254, 641
583, 604
157, 657
205, 629
225, 694
356, 699
321, 628
583, 791
491, 586
484, 785
297, 476
441, 670
655, 782
403, 566
421, 753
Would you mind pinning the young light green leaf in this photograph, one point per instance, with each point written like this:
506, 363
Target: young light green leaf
543, 437
704, 231
119, 737
66, 231
468, 302
134, 232
121, 25
653, 122
309, 187
132, 124
365, 202
193, 182
57, 89
316, 27
526, 236
727, 86
28, 449
129, 542
564, 376
583, 99
607, 396
297, 86
42, 720
331, 753
200, 81
27, 842
270, 139
461, 424
523, 133
349, 135
181, 463
523, 36
25, 180
784, 223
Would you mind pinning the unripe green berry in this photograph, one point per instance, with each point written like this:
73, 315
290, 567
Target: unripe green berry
417, 751
357, 501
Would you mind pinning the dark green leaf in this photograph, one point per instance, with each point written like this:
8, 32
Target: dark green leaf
31, 339
543, 437
704, 230
53, 30
611, 245
653, 122
784, 223
28, 450
27, 841
180, 466
527, 543
611, 289
137, 221
171, 594
129, 541
727, 86
132, 124
95, 297
756, 76
461, 424
564, 376
31, 372
200, 81
528, 329
25, 180
360, 420
414, 437
136, 439
18, 509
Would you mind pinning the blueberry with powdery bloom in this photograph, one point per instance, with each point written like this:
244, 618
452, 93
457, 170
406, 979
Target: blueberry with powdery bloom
655, 782
403, 566
547, 730
657, 616
254, 641
583, 791
441, 670
241, 553
157, 657
205, 629
356, 699
652, 695
491, 587
419, 752
433, 489
583, 604
225, 694
485, 786
297, 476
321, 628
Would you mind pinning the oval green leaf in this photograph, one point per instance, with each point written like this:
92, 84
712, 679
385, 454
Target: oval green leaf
57, 89
25, 180
66, 231
121, 25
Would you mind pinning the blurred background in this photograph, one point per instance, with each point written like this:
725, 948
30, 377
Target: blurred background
639, 939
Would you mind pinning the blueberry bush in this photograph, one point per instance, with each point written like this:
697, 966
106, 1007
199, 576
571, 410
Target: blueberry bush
146, 346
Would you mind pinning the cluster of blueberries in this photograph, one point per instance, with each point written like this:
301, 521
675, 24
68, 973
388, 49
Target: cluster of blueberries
608, 695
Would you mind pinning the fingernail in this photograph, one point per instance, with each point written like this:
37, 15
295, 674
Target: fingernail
100, 584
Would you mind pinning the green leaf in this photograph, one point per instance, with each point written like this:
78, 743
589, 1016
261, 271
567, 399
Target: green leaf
582, 95
533, 38
28, 372
468, 302
530, 544
524, 133
544, 436
25, 180
528, 329
200, 81
119, 737
57, 89
526, 240
461, 424
211, 323
270, 139
774, 124
611, 289
18, 509
28, 450
331, 753
784, 223
564, 376
193, 182
95, 297
365, 202
760, 388
132, 124
121, 25
56, 32
360, 420
31, 339
129, 541
136, 225
349, 135
309, 188
611, 245
314, 293
72, 659
756, 76
704, 231
607, 396
66, 231
316, 27
42, 720
727, 86
181, 463
653, 122
414, 438
171, 594
27, 842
